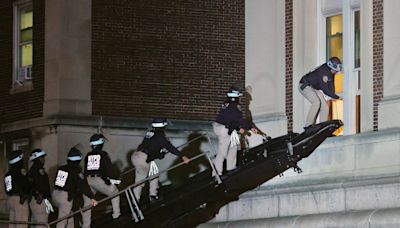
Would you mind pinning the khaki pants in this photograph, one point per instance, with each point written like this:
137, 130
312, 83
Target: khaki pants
18, 212
225, 151
39, 213
60, 199
318, 104
141, 172
97, 184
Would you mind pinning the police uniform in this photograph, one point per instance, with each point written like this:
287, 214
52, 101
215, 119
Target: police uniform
154, 145
17, 185
100, 172
311, 85
68, 183
40, 187
229, 119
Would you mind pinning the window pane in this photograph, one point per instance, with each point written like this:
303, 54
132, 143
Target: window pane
335, 25
334, 36
26, 18
334, 47
26, 35
26, 54
357, 39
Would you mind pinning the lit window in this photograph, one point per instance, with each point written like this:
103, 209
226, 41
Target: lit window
23, 45
357, 65
334, 41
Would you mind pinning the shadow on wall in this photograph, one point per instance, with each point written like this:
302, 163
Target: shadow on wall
180, 174
127, 175
248, 117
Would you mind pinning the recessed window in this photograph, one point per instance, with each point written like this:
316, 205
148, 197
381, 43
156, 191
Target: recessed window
23, 43
357, 51
334, 47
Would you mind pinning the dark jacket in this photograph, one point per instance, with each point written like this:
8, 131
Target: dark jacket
16, 183
153, 144
40, 181
97, 162
321, 79
232, 117
71, 179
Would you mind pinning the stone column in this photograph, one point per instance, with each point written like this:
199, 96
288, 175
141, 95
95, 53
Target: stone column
265, 64
67, 57
389, 107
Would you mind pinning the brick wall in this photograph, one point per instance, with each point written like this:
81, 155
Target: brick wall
29, 104
289, 62
172, 58
377, 30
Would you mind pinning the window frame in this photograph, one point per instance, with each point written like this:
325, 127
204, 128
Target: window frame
19, 85
350, 85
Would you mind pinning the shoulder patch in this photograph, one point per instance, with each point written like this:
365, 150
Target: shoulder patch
325, 78
42, 172
80, 175
149, 134
23, 172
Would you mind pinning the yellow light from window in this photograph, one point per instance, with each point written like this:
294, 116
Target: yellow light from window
336, 24
26, 18
338, 83
26, 55
337, 113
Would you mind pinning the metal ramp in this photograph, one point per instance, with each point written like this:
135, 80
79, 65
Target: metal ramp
201, 196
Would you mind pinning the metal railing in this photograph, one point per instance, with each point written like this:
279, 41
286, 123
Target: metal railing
137, 214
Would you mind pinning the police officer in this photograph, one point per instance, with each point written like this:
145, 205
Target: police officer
40, 204
228, 122
16, 184
311, 85
154, 145
101, 177
69, 182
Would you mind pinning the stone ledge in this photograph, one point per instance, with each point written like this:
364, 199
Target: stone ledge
108, 122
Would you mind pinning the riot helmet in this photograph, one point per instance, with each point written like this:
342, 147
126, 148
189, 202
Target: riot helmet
159, 122
335, 64
37, 153
234, 93
97, 141
74, 155
15, 157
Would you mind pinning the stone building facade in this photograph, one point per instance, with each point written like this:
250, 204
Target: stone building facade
71, 68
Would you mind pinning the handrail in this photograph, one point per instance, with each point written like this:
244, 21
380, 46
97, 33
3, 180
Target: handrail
127, 189
186, 143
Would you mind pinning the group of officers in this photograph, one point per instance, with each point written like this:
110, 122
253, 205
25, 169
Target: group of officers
31, 189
